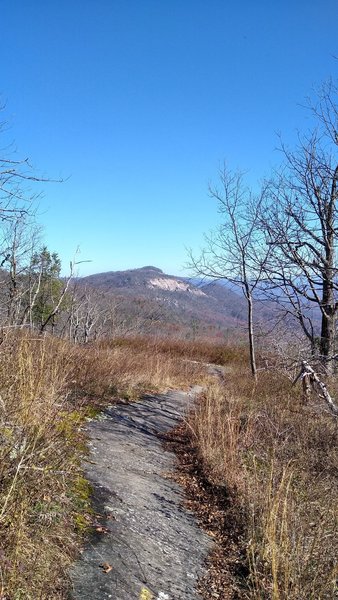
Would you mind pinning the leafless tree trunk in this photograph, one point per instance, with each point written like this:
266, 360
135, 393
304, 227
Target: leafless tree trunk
20, 236
234, 252
299, 219
55, 310
251, 333
312, 382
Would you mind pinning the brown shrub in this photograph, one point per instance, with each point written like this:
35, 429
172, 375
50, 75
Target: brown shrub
205, 351
128, 369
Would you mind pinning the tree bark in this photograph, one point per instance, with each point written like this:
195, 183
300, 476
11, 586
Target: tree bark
328, 326
251, 336
328, 307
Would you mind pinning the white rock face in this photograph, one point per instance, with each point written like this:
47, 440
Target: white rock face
172, 285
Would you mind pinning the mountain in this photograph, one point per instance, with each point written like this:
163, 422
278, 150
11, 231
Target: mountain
169, 302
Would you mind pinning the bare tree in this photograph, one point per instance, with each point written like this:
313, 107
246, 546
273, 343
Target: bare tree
17, 177
18, 233
20, 236
299, 217
235, 252
86, 317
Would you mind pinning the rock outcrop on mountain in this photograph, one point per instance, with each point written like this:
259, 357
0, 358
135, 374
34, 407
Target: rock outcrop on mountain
174, 302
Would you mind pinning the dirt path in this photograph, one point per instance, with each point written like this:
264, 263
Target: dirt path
152, 547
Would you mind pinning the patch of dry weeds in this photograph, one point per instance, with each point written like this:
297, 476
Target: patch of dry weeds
274, 461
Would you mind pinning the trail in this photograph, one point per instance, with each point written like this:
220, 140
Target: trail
149, 543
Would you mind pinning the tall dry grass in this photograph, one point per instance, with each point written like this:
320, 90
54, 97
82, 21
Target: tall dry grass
39, 469
201, 350
278, 460
129, 368
47, 387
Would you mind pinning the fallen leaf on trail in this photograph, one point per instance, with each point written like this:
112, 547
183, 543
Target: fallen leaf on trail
145, 594
106, 567
101, 529
211, 533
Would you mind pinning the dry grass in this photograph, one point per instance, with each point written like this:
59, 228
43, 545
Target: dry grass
39, 471
202, 350
47, 387
129, 368
278, 460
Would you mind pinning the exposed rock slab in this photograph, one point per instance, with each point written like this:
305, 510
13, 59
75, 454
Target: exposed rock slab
153, 544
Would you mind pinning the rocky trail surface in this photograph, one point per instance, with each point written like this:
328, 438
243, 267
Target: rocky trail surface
147, 545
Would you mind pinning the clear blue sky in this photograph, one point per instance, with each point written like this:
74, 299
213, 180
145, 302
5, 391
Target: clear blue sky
137, 102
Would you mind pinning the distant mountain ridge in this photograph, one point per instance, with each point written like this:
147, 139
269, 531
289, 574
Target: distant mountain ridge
148, 277
177, 301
